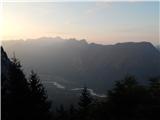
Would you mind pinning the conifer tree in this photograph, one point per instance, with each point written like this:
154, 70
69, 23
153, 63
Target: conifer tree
85, 103
40, 106
85, 99
125, 99
16, 96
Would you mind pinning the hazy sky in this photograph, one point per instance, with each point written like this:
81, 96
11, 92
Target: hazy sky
101, 22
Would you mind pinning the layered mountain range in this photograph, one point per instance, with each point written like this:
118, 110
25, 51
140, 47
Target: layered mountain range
75, 63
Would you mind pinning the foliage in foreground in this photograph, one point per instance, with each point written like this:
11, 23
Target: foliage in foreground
23, 99
128, 100
26, 99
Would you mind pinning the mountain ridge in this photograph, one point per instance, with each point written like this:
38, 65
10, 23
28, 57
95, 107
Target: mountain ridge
80, 62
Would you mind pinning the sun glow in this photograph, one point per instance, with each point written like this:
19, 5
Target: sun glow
101, 23
1, 22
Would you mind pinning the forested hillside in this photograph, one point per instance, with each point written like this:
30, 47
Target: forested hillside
26, 98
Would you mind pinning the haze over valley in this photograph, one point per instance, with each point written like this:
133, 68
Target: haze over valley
69, 64
95, 60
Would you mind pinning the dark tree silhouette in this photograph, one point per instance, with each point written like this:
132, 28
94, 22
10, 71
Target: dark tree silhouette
85, 104
16, 95
153, 108
126, 99
27, 100
61, 113
72, 112
4, 96
85, 99
22, 99
40, 106
155, 87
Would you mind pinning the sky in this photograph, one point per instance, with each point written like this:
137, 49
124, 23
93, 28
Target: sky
99, 22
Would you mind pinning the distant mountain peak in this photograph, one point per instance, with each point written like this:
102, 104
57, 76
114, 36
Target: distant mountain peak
76, 42
84, 41
135, 43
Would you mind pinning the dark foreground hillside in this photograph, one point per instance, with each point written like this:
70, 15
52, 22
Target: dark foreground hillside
26, 98
21, 98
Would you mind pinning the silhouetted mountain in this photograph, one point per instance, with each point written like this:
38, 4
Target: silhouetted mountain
158, 47
5, 63
74, 63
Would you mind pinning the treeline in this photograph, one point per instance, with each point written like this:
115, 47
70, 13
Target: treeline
22, 98
128, 100
26, 99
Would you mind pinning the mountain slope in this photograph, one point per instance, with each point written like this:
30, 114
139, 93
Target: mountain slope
5, 63
76, 63
158, 47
